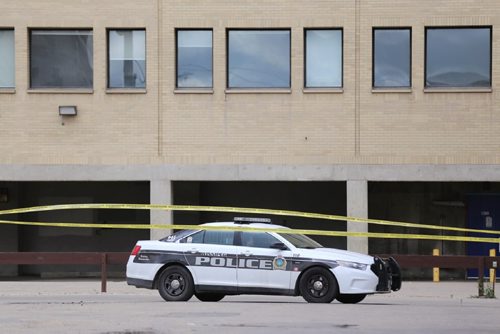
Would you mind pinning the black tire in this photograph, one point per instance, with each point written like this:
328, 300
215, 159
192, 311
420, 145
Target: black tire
176, 284
318, 285
209, 297
350, 298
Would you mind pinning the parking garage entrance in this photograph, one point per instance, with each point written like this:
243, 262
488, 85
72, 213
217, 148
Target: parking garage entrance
55, 239
457, 204
318, 197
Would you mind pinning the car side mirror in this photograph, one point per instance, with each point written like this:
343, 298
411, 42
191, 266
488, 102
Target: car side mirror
279, 245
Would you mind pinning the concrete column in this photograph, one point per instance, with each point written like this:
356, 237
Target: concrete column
357, 206
160, 193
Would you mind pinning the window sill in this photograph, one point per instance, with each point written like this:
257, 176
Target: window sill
7, 90
391, 90
322, 90
60, 91
258, 91
126, 91
458, 90
193, 91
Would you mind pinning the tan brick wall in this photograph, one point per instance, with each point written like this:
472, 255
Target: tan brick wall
109, 127
223, 128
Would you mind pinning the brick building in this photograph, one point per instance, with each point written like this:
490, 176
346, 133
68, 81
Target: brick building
377, 109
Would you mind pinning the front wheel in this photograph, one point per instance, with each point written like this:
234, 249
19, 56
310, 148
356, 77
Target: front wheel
351, 298
176, 284
318, 285
209, 297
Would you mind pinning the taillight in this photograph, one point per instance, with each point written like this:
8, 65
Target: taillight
136, 250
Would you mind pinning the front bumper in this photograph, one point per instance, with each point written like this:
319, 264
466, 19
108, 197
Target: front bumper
388, 273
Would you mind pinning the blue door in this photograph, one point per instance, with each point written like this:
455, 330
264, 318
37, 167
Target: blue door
483, 212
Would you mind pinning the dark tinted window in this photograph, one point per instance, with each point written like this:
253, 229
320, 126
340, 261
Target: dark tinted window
61, 59
256, 239
391, 57
458, 57
218, 237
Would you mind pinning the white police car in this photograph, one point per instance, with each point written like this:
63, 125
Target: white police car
214, 263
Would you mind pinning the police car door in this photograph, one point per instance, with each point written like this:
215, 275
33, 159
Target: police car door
260, 266
212, 259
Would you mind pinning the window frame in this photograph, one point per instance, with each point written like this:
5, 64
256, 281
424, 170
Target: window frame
176, 37
409, 28
13, 87
341, 55
108, 67
427, 28
69, 89
289, 30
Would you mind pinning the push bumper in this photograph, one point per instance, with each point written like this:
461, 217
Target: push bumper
388, 273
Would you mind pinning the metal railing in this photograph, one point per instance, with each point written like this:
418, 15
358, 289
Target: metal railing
120, 258
68, 258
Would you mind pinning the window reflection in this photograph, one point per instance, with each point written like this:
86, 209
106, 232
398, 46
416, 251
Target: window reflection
391, 58
61, 59
127, 59
323, 58
194, 58
458, 57
7, 59
259, 58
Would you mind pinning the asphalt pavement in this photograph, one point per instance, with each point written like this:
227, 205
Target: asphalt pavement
78, 306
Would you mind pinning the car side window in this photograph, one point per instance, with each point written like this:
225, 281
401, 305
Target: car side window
195, 238
218, 237
210, 237
256, 239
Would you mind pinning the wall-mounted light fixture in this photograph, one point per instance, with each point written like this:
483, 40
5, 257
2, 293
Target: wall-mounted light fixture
67, 110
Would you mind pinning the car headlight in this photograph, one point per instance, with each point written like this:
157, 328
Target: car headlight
353, 265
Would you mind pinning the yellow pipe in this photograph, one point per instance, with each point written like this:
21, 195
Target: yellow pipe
435, 270
493, 274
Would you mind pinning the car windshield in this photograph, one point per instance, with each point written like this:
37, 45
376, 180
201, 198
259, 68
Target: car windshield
301, 241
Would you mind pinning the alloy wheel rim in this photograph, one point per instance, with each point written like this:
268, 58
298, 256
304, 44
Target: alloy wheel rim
175, 284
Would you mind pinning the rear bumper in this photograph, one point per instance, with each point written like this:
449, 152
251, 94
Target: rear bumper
388, 273
140, 283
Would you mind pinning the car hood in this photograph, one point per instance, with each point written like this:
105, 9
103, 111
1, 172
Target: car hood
335, 254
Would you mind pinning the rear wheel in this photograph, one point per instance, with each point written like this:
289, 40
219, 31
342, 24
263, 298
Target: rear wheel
351, 298
176, 284
209, 297
318, 285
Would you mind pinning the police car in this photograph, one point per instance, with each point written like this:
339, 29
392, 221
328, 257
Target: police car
214, 263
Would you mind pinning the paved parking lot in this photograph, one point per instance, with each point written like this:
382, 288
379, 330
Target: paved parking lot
78, 306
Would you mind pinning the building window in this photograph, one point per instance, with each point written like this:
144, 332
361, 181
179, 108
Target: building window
323, 58
391, 57
194, 58
258, 58
7, 59
61, 59
458, 57
127, 58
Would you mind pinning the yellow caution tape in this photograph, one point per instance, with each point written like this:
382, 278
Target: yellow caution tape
242, 210
252, 229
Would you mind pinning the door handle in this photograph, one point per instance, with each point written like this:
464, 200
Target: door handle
194, 250
246, 253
